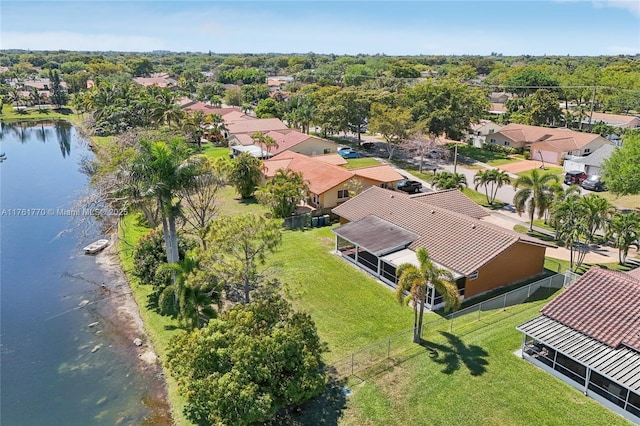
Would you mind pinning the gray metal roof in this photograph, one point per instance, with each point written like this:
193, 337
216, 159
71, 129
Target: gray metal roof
596, 158
376, 235
620, 365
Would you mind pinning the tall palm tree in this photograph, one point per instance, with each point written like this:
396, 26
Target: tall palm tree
492, 180
265, 140
415, 280
572, 227
161, 170
484, 178
164, 109
557, 194
598, 212
35, 96
625, 228
532, 194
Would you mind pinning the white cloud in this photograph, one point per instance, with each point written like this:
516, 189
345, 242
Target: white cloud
630, 6
63, 40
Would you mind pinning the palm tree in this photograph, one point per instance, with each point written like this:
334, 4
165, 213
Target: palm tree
571, 227
449, 180
625, 228
598, 212
495, 178
35, 96
161, 170
164, 109
532, 194
415, 280
267, 141
558, 194
194, 124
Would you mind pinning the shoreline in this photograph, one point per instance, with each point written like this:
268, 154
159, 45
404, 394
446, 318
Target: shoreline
125, 313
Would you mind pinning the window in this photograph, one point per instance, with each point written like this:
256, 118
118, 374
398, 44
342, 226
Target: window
315, 199
506, 143
327, 150
384, 185
587, 150
343, 193
492, 140
473, 275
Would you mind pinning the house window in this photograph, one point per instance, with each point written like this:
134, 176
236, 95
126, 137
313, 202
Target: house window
343, 193
492, 140
327, 150
587, 150
506, 143
315, 200
384, 185
473, 275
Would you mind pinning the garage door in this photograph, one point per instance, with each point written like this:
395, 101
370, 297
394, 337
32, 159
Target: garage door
546, 156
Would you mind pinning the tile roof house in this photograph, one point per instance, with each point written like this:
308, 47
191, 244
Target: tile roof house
615, 120
158, 79
252, 125
550, 145
301, 143
482, 256
589, 336
329, 183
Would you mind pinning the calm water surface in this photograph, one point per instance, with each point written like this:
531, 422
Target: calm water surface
64, 359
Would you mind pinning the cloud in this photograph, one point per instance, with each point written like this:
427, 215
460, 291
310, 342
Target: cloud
64, 40
630, 6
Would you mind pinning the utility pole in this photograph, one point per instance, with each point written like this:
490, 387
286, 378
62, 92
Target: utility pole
593, 103
455, 158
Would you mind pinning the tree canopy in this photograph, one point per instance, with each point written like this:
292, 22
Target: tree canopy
622, 169
247, 364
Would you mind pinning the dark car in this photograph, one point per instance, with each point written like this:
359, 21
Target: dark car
410, 186
594, 183
575, 177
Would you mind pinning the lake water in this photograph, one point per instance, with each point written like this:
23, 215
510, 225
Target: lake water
64, 357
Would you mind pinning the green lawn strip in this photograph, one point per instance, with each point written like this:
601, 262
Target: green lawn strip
351, 310
215, 151
625, 201
484, 156
160, 329
540, 224
481, 199
472, 379
9, 114
354, 163
561, 265
230, 203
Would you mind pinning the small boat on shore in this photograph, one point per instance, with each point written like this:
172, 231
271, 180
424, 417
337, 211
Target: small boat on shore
96, 246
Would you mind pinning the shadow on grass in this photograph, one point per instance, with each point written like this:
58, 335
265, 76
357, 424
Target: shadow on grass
454, 354
325, 409
248, 201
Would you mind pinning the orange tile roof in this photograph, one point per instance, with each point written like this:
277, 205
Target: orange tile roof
235, 115
333, 158
556, 137
380, 173
459, 242
286, 141
604, 305
320, 176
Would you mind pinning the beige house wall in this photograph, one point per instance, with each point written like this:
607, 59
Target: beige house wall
501, 140
315, 146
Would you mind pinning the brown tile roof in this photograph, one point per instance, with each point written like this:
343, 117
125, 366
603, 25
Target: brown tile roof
235, 115
380, 173
263, 125
320, 176
453, 200
556, 139
458, 242
243, 138
604, 305
613, 119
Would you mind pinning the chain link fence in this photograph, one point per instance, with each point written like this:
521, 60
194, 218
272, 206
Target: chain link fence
385, 353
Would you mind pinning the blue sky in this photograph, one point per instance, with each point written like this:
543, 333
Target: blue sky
454, 27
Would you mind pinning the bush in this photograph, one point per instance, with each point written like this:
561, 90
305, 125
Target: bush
527, 155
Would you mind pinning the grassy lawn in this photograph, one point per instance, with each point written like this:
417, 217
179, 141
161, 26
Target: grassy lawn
481, 199
471, 379
354, 163
561, 265
626, 201
34, 114
215, 151
484, 156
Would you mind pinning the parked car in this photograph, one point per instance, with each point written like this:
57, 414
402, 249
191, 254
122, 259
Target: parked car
594, 183
410, 186
346, 152
575, 177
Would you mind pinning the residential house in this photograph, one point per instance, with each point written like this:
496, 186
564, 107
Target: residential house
329, 184
292, 140
382, 229
615, 120
499, 97
550, 145
158, 79
589, 337
239, 124
478, 131
590, 164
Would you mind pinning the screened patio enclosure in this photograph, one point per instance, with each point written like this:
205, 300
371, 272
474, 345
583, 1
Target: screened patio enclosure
379, 247
608, 375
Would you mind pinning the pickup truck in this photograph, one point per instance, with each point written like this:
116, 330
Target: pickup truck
410, 186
